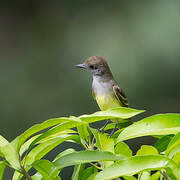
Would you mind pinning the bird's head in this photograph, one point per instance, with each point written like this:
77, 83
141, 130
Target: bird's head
97, 65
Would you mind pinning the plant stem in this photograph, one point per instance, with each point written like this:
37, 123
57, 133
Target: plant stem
165, 175
25, 173
96, 166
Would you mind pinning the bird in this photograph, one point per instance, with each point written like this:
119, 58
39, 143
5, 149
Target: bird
105, 89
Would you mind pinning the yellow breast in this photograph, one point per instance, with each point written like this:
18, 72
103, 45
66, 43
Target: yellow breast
107, 102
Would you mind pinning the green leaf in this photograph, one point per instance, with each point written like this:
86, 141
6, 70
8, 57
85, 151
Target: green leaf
155, 176
92, 176
85, 157
74, 139
26, 145
77, 170
39, 151
129, 178
119, 125
173, 152
65, 152
83, 132
176, 157
159, 124
45, 168
136, 164
104, 143
42, 149
174, 142
11, 156
123, 149
173, 147
120, 112
144, 175
3, 142
57, 178
162, 143
147, 150
37, 176
17, 176
61, 127
87, 173
2, 168
17, 143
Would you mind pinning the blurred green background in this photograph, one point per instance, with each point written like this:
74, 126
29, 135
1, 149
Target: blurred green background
41, 41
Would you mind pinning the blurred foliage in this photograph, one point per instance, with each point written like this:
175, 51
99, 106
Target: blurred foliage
40, 42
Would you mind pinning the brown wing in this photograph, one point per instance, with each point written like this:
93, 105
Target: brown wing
120, 95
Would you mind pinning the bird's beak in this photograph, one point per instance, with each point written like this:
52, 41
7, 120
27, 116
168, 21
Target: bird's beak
81, 66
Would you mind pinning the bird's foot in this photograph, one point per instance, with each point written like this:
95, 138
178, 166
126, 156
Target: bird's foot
113, 131
100, 130
111, 134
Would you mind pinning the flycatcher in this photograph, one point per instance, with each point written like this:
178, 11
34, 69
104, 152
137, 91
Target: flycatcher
105, 90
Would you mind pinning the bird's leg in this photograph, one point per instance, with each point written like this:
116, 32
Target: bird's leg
113, 131
102, 129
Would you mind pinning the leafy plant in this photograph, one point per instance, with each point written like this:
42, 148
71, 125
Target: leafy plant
103, 157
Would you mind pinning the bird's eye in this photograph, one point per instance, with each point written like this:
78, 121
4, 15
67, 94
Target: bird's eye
93, 67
